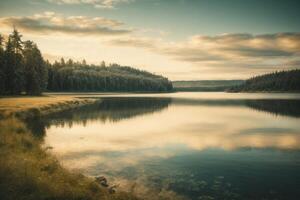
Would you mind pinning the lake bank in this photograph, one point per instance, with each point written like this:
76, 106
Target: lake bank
185, 158
43, 104
28, 170
195, 145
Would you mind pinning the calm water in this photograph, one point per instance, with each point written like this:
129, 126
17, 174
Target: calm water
185, 145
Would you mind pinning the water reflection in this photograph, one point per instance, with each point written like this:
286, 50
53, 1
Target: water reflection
283, 107
37, 125
278, 107
185, 147
106, 110
118, 108
110, 110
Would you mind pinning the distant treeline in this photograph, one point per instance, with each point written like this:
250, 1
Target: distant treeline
205, 85
274, 82
78, 76
23, 69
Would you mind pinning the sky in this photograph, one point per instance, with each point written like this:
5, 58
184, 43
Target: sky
179, 39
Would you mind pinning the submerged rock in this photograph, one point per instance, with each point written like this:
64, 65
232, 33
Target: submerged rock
102, 181
112, 189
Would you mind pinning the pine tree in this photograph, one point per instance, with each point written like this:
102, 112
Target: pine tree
35, 69
2, 73
24, 68
14, 64
102, 64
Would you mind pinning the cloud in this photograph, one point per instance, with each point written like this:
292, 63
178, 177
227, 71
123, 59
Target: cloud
226, 46
245, 46
228, 51
49, 22
294, 63
140, 42
236, 55
105, 4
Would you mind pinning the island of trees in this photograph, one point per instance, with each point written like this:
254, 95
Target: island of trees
282, 81
23, 70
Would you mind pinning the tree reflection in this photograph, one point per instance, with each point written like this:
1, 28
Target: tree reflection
114, 109
110, 109
283, 107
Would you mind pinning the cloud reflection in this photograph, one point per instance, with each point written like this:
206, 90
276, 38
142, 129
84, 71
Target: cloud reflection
178, 129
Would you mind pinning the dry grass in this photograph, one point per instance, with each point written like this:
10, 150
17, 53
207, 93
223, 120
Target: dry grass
15, 104
29, 172
23, 107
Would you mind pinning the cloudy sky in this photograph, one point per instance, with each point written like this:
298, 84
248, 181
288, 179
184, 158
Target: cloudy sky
180, 39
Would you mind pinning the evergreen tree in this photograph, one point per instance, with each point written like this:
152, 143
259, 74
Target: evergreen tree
102, 64
14, 64
22, 68
2, 73
79, 76
276, 81
62, 61
35, 69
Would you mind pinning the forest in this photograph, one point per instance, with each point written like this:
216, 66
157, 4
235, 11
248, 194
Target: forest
24, 71
279, 81
22, 68
79, 76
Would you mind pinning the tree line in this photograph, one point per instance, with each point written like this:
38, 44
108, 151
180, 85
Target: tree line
79, 76
23, 70
276, 81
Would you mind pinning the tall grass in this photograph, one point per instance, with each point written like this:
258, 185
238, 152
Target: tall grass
28, 172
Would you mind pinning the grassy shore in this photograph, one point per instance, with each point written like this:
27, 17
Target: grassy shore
43, 105
27, 170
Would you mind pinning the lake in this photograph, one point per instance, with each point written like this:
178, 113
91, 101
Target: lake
184, 145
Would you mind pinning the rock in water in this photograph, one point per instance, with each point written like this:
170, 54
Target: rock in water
112, 189
102, 181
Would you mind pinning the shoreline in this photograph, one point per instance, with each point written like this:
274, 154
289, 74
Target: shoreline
40, 105
28, 168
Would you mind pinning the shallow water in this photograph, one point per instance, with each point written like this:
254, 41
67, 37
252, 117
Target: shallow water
185, 145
